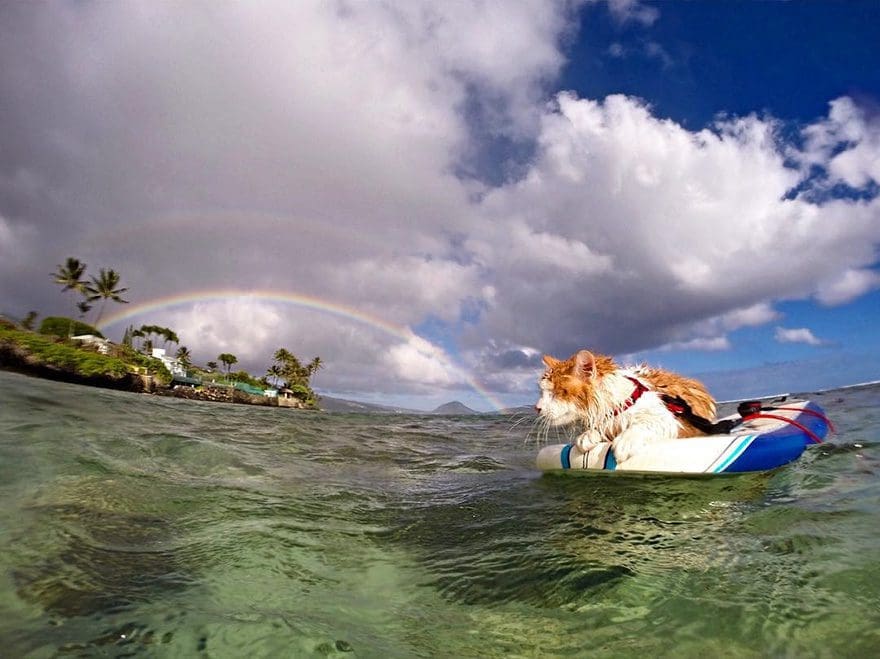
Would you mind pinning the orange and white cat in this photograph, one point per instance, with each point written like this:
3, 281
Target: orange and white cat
621, 405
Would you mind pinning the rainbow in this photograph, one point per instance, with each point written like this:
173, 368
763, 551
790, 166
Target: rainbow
302, 301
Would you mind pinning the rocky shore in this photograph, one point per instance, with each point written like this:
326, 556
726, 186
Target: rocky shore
55, 358
13, 358
224, 395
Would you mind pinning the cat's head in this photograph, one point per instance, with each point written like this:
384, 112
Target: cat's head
570, 387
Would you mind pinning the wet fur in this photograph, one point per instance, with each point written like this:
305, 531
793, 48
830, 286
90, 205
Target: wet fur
591, 392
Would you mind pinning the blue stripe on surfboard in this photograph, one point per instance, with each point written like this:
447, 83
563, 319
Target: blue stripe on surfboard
734, 454
610, 460
767, 452
565, 456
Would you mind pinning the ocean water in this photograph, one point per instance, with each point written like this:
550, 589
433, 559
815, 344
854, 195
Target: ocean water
133, 525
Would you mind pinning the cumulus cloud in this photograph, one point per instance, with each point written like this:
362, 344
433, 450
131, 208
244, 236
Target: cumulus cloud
334, 150
797, 335
700, 226
843, 287
707, 344
419, 361
846, 144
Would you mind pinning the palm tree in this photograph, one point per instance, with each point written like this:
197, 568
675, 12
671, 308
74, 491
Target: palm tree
70, 277
212, 366
315, 365
105, 288
28, 321
147, 331
274, 372
183, 354
282, 356
294, 371
227, 359
169, 335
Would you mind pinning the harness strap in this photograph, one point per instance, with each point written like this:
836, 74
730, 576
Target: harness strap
633, 397
813, 436
807, 411
679, 407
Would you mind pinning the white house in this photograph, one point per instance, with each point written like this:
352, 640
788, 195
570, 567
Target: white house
102, 344
171, 363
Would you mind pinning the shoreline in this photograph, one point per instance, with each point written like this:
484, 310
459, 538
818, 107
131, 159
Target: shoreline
20, 361
16, 358
140, 384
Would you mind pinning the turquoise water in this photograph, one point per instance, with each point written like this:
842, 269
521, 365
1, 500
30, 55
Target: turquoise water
134, 525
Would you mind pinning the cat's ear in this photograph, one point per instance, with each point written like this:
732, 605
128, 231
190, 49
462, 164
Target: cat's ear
550, 361
585, 364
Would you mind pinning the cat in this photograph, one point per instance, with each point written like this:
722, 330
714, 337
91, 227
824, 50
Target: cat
621, 405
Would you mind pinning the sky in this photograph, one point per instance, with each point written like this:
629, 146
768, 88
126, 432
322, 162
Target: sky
431, 196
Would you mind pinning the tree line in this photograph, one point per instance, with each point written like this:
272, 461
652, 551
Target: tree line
286, 370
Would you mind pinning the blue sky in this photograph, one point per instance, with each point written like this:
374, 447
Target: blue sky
697, 61
428, 195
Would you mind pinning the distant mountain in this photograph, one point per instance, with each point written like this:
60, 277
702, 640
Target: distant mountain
455, 408
330, 404
524, 410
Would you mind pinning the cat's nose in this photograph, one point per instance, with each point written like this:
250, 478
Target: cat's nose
538, 406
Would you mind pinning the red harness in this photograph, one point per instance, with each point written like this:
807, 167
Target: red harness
676, 406
680, 408
633, 397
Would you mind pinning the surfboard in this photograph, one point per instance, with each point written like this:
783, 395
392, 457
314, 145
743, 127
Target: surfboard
771, 438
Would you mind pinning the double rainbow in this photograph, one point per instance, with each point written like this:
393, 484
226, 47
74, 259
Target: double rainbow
304, 302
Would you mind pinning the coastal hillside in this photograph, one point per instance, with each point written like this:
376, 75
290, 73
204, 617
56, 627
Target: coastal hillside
330, 404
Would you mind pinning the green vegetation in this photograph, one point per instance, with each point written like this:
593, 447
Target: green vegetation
53, 348
184, 357
77, 358
289, 370
227, 359
66, 327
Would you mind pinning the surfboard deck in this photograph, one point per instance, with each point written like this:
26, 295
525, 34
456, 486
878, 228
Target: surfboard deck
758, 444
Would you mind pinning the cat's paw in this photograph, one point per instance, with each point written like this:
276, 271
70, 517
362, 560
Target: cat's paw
627, 445
587, 440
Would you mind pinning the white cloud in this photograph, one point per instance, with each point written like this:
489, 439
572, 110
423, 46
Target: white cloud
711, 334
798, 335
242, 327
846, 144
699, 229
703, 344
404, 289
421, 363
754, 315
846, 286
316, 148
